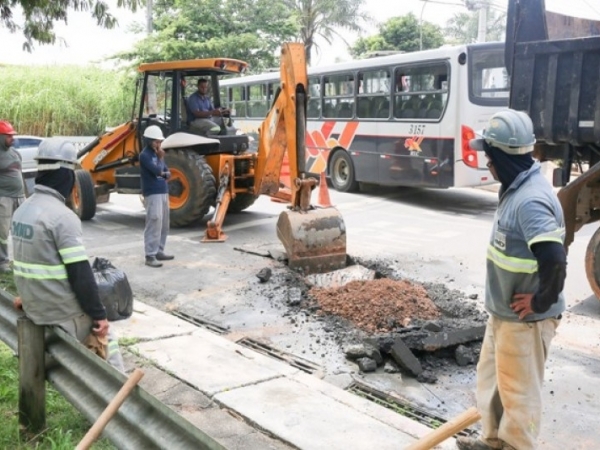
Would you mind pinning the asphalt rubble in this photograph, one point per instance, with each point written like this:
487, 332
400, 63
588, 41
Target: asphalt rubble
278, 406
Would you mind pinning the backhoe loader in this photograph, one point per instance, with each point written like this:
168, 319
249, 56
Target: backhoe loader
219, 170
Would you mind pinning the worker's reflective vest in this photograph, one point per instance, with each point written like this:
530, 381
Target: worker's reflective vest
528, 212
46, 237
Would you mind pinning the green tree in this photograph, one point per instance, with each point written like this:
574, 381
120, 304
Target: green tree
462, 28
39, 16
324, 17
250, 30
402, 33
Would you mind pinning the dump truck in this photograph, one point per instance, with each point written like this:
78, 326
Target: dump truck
219, 171
555, 78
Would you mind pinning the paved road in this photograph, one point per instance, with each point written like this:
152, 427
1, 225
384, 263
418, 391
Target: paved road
434, 236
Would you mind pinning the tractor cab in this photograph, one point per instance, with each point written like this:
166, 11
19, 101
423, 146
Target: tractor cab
162, 96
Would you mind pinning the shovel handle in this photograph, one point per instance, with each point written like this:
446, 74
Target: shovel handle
110, 410
450, 428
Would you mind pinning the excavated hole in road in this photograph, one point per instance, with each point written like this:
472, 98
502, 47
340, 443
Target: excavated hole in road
384, 322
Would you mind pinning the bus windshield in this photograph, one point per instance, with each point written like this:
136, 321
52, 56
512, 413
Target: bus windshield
488, 79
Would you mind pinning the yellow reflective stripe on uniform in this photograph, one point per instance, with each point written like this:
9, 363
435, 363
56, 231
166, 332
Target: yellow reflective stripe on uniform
39, 271
510, 263
552, 236
73, 254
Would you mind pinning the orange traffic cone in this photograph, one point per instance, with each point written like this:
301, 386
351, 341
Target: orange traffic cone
324, 200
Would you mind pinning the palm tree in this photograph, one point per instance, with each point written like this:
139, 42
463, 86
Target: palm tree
324, 17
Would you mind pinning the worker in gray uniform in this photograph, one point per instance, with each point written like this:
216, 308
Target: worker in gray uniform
53, 276
12, 191
526, 270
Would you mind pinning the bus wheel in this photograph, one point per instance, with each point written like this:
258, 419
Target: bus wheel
592, 263
341, 172
83, 197
192, 187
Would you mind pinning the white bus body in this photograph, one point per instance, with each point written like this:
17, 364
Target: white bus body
401, 120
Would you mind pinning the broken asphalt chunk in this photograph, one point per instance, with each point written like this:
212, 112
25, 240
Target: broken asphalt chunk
264, 275
436, 341
405, 358
366, 365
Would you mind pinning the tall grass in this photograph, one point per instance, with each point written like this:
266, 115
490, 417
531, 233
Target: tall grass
64, 100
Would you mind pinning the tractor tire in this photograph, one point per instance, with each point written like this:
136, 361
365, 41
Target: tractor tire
192, 187
592, 263
341, 172
83, 196
240, 203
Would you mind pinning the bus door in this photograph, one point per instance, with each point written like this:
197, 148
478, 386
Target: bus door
415, 152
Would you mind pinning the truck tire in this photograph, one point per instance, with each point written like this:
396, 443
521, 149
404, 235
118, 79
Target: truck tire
240, 203
592, 263
341, 172
192, 187
83, 197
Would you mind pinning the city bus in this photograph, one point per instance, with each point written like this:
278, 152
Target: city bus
398, 120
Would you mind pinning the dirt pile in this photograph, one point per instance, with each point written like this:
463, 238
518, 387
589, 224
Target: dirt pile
377, 306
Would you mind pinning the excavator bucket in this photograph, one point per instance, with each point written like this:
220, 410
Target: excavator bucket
314, 240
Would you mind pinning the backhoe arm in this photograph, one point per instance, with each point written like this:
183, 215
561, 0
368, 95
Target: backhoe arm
285, 129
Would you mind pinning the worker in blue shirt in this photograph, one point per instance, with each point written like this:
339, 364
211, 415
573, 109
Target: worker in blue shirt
154, 176
206, 118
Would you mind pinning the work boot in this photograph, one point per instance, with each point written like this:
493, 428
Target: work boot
466, 443
152, 262
163, 257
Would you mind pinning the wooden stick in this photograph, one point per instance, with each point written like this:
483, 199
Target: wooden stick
110, 411
450, 428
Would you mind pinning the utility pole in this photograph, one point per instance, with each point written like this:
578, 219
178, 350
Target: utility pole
151, 107
482, 7
421, 25
482, 26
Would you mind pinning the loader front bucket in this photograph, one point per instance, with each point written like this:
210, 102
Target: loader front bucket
315, 240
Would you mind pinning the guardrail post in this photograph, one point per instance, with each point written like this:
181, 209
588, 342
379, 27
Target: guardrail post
32, 376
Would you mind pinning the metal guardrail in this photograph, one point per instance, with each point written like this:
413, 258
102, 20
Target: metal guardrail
89, 384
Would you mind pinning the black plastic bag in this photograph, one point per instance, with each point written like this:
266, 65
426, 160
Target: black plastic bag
114, 289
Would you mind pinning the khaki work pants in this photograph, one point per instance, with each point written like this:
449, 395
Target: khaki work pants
8, 205
81, 326
510, 374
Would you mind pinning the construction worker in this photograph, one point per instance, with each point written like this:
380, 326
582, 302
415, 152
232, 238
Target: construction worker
12, 190
53, 276
154, 176
526, 270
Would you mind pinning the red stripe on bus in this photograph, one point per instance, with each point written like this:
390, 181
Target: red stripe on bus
326, 129
348, 134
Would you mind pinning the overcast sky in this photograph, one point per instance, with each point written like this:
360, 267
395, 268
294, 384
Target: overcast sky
87, 43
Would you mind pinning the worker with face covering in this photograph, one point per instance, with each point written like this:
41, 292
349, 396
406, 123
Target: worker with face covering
12, 191
53, 276
526, 269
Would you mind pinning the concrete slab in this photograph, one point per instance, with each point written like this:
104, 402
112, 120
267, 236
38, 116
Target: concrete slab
211, 363
369, 408
148, 323
309, 419
340, 277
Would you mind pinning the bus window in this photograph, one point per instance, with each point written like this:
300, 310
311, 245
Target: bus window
314, 97
373, 94
258, 102
338, 96
237, 101
421, 92
488, 79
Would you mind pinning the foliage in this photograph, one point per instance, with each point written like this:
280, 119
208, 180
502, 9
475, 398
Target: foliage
250, 30
402, 33
65, 426
324, 17
64, 100
462, 28
39, 16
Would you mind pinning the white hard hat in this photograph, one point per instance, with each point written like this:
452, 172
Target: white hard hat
154, 132
55, 153
509, 130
